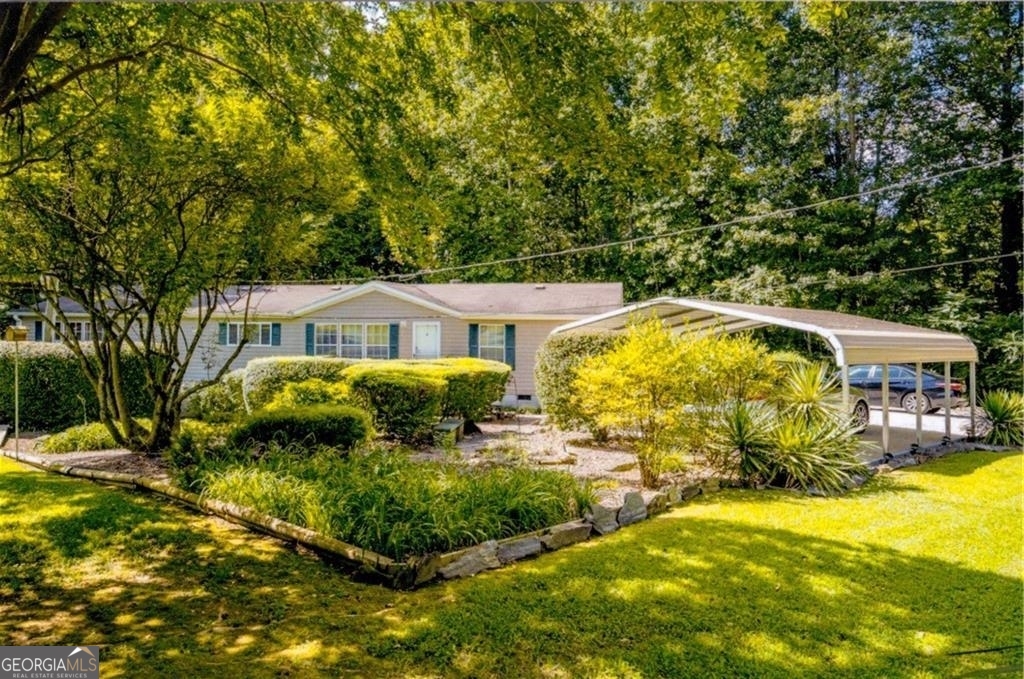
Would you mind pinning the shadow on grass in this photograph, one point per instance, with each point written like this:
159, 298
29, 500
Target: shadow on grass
167, 592
686, 597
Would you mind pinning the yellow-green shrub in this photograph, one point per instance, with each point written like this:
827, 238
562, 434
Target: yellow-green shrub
265, 377
659, 388
557, 361
403, 403
309, 393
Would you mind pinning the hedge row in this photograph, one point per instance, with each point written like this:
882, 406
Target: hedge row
265, 377
53, 390
406, 398
341, 427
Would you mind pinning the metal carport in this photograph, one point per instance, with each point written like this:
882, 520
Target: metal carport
853, 339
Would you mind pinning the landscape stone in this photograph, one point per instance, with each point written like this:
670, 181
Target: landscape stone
479, 558
674, 494
633, 509
710, 486
565, 534
604, 519
690, 492
657, 504
519, 549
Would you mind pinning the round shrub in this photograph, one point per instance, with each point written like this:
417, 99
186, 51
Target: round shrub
337, 426
220, 402
404, 405
471, 384
557, 361
266, 377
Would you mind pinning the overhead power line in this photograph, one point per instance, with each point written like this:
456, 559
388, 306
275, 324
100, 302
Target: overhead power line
782, 212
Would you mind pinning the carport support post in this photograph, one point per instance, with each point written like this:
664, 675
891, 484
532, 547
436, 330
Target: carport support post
974, 395
918, 408
949, 426
845, 372
885, 408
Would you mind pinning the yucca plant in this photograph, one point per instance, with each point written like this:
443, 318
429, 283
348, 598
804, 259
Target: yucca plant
740, 440
1004, 413
813, 453
811, 393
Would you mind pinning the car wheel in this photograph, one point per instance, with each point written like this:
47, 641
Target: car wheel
909, 403
861, 415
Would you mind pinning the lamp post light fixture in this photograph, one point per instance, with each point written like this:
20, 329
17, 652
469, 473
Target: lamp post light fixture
16, 334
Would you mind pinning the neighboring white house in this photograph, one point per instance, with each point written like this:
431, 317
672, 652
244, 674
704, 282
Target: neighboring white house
499, 321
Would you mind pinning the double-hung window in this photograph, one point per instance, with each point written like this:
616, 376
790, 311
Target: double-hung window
325, 341
355, 340
80, 330
492, 342
258, 334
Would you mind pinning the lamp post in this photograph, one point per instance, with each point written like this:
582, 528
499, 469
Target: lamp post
16, 334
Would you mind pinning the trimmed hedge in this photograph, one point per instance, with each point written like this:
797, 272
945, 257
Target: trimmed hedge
219, 402
312, 392
341, 427
471, 384
54, 392
557, 361
265, 377
406, 405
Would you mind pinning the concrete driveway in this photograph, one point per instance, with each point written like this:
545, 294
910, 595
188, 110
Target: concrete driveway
902, 432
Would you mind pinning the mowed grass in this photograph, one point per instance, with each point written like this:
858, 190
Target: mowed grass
886, 582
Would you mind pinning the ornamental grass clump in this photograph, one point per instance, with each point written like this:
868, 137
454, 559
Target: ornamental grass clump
382, 501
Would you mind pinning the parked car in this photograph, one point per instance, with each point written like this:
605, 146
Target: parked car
902, 386
860, 408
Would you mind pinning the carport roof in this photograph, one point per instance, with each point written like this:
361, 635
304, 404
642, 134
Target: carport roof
854, 339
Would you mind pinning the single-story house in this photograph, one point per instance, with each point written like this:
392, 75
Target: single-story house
499, 321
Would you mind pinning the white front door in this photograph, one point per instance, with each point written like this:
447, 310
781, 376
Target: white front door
426, 340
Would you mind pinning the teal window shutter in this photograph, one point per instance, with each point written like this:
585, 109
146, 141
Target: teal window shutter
222, 333
393, 340
38, 331
275, 334
510, 345
474, 340
310, 334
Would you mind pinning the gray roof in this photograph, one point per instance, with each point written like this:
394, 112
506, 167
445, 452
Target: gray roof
854, 339
472, 299
558, 300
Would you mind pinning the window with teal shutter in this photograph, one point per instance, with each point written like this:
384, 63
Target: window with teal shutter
275, 334
310, 333
222, 333
474, 340
393, 340
510, 345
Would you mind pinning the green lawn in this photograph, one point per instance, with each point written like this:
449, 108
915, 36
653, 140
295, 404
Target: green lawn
886, 582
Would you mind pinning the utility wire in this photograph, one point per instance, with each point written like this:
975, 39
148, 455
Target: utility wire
782, 212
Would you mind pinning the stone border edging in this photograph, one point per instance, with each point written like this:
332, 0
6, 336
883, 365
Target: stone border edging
416, 571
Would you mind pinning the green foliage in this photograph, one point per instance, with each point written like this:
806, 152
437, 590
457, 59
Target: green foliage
1004, 414
382, 501
90, 436
266, 377
557, 361
918, 539
658, 388
339, 426
802, 439
53, 391
404, 404
220, 402
471, 384
309, 392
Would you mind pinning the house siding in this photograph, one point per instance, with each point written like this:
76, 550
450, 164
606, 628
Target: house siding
375, 307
